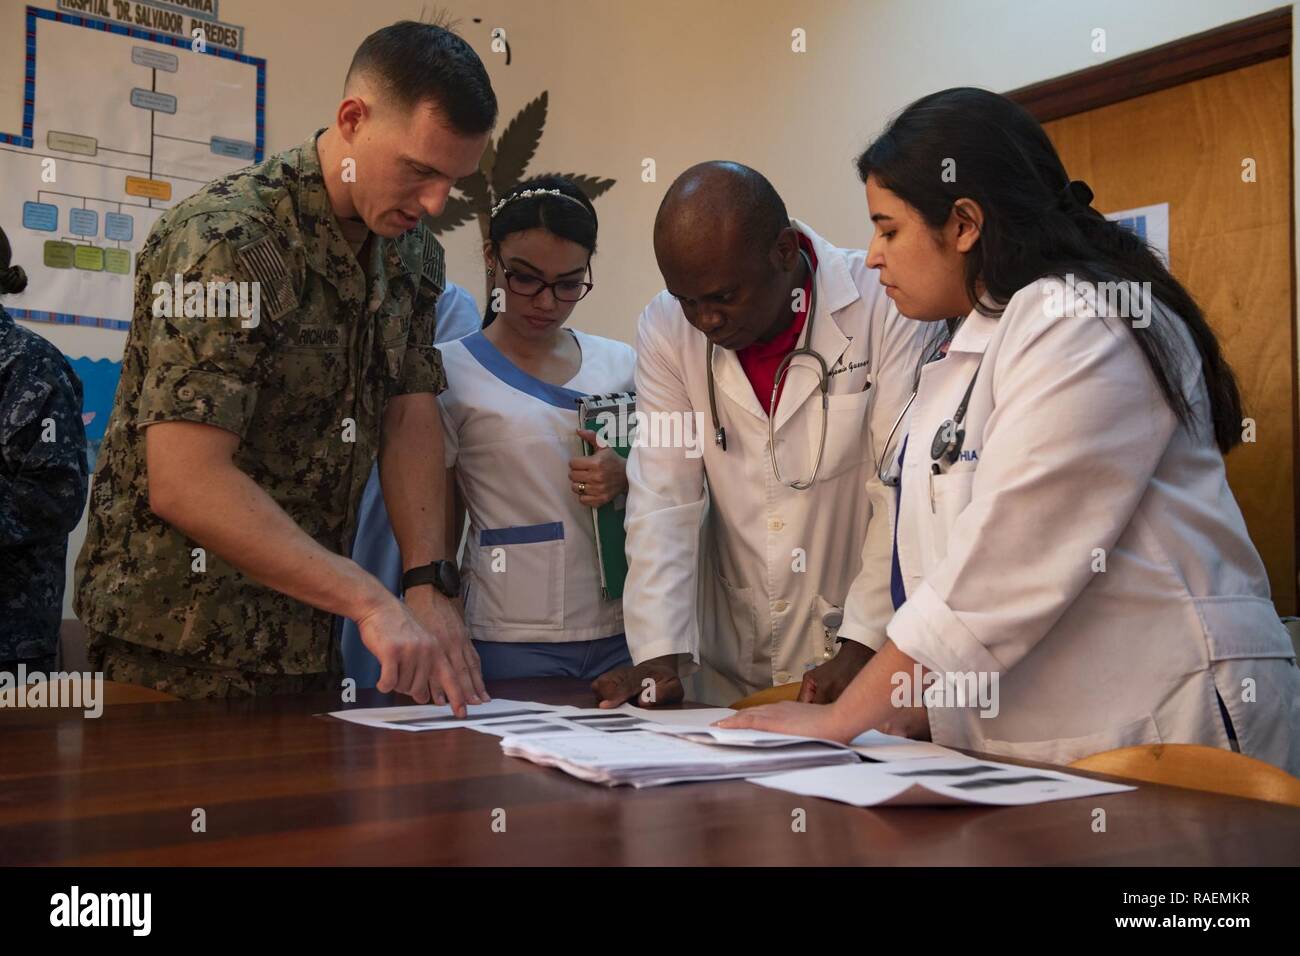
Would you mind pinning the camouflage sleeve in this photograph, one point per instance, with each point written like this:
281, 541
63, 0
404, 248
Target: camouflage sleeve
43, 445
422, 365
206, 344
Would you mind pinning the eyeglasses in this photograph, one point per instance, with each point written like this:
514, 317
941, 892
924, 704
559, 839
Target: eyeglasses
565, 290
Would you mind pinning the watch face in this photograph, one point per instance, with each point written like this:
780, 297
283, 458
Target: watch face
448, 578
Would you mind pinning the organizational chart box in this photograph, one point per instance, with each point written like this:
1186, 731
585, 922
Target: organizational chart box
149, 100
72, 143
155, 59
119, 226
83, 222
42, 216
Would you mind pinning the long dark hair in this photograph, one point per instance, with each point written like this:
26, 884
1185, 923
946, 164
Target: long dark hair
575, 221
1038, 224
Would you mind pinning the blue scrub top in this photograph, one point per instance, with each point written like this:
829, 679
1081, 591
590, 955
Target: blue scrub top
375, 548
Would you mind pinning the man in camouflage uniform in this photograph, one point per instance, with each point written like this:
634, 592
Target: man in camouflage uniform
231, 471
42, 489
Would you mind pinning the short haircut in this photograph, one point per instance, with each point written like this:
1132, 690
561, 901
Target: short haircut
418, 62
763, 213
720, 190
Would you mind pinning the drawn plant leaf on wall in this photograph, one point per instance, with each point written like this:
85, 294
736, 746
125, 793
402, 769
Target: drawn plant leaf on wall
475, 188
504, 164
458, 212
518, 144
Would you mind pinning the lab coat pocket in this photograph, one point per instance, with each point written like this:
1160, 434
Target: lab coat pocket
1262, 698
1242, 626
846, 433
738, 622
1253, 670
951, 494
1066, 750
519, 578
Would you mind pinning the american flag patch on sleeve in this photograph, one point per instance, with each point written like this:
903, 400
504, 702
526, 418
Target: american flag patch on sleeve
265, 265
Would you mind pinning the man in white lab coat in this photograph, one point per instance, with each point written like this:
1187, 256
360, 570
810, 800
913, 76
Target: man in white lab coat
734, 575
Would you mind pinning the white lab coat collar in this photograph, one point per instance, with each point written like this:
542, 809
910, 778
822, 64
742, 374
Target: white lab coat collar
974, 334
835, 285
732, 382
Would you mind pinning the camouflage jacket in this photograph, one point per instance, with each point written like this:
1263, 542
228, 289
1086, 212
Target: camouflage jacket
303, 384
42, 487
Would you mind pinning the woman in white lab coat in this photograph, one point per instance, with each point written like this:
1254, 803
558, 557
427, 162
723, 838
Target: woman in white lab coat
530, 572
1072, 573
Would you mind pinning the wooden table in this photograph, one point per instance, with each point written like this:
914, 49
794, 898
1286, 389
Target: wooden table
282, 786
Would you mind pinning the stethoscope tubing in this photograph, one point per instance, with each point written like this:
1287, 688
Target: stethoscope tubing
823, 383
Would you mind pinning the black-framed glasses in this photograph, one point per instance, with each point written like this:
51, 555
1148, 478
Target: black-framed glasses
565, 290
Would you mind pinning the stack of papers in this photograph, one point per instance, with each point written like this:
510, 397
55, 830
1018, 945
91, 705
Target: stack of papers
644, 747
940, 781
658, 754
640, 747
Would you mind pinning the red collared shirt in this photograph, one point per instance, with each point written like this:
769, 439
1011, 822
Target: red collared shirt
760, 360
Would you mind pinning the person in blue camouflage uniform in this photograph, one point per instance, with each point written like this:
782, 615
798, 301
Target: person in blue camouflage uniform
225, 498
42, 483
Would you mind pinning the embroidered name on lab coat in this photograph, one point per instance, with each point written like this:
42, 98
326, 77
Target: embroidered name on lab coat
848, 368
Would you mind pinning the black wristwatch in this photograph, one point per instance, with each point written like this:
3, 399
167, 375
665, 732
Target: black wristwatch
443, 575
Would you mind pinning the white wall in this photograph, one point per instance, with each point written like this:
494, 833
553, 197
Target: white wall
685, 80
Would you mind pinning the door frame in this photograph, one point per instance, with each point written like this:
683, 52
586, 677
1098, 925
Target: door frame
1225, 48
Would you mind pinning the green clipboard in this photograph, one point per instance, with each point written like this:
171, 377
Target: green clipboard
611, 417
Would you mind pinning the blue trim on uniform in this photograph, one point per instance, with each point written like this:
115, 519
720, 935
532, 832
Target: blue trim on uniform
491, 358
897, 590
583, 660
522, 534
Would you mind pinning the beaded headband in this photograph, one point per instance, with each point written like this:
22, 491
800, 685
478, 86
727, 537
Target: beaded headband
529, 194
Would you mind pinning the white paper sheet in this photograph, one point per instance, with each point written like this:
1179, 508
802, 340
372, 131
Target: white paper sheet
877, 746
1151, 223
872, 744
697, 717
558, 723
606, 720
422, 717
937, 782
762, 739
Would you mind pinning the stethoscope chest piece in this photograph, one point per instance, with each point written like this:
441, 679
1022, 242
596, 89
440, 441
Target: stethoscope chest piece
950, 436
947, 442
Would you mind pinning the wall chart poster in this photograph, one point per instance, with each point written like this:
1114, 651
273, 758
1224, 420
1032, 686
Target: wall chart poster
119, 123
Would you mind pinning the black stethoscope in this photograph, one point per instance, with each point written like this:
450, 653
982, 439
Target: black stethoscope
823, 382
951, 434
